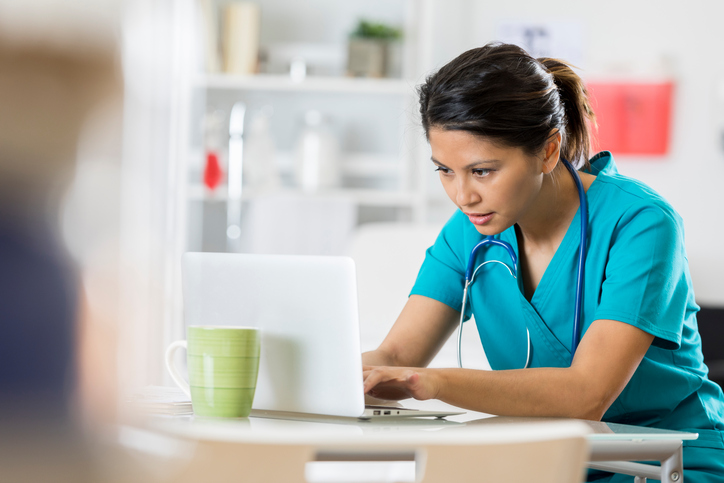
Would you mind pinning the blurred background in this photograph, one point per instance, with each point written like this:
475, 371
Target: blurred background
278, 127
273, 126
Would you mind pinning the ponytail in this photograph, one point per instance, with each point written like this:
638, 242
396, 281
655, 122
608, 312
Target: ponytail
578, 113
500, 92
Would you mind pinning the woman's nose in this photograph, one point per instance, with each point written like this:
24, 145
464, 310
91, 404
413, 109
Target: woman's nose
465, 194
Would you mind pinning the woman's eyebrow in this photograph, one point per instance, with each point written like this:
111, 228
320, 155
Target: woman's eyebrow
471, 165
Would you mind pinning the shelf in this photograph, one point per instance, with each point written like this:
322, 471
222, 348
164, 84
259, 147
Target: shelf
354, 164
364, 197
284, 83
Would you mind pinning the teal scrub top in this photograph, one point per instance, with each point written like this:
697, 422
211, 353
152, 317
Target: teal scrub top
636, 272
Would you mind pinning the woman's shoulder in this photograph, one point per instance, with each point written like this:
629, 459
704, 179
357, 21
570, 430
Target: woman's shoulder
622, 196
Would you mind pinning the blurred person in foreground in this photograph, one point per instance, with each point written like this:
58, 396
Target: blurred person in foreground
56, 67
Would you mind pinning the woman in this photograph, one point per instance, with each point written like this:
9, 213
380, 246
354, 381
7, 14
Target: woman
500, 125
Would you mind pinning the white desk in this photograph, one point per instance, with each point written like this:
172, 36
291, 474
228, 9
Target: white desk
617, 447
614, 447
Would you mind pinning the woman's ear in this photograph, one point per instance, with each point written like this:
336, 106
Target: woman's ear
552, 152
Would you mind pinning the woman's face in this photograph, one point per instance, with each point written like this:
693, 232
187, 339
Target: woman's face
494, 186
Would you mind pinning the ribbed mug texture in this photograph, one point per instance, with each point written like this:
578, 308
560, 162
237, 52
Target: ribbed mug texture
223, 364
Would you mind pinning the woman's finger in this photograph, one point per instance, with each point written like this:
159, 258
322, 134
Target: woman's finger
371, 379
385, 375
377, 376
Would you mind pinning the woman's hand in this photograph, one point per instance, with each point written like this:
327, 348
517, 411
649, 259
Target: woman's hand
396, 383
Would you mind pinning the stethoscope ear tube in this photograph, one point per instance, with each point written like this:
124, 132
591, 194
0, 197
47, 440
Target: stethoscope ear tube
460, 326
473, 254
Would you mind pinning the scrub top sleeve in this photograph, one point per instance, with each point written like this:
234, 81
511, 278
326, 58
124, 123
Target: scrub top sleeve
442, 274
645, 281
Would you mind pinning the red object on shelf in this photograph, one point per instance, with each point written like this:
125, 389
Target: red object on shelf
633, 118
212, 171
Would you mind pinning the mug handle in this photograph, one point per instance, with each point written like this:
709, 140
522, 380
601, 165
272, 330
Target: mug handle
175, 375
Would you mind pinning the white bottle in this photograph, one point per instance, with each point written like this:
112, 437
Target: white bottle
260, 166
316, 155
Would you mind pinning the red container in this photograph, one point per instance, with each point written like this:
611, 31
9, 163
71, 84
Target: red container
212, 171
633, 118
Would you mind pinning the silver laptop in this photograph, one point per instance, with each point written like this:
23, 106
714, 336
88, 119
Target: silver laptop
306, 308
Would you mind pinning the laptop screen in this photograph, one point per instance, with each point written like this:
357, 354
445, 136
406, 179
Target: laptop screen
306, 308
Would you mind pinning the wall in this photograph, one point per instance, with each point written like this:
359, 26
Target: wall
630, 39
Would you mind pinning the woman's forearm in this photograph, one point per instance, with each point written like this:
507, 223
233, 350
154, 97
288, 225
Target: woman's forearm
378, 357
606, 360
554, 392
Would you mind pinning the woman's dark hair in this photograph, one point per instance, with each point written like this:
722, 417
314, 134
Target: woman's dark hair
501, 93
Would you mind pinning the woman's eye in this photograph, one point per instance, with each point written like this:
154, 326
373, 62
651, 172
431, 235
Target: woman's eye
480, 173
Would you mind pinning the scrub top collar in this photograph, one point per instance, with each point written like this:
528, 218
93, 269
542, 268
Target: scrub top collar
603, 163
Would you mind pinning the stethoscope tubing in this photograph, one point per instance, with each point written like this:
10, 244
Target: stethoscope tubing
488, 241
581, 258
471, 270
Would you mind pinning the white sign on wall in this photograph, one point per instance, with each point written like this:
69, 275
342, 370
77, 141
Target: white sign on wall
562, 39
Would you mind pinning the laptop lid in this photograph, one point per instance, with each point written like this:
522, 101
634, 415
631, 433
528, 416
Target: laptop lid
306, 308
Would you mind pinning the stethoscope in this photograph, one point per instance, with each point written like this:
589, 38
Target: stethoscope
472, 270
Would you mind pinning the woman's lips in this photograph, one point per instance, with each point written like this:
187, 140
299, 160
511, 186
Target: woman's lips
479, 219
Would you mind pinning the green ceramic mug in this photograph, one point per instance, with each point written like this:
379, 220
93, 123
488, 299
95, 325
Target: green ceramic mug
223, 364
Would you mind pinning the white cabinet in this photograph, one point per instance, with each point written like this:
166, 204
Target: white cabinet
382, 153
